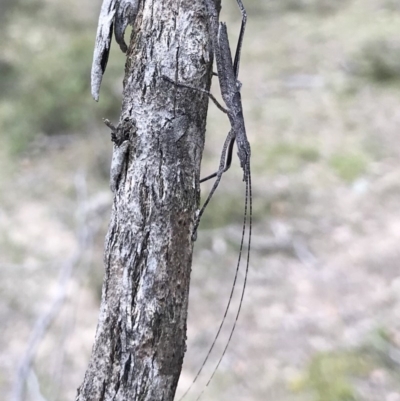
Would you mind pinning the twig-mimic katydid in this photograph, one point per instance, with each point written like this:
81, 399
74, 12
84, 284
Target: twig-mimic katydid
230, 90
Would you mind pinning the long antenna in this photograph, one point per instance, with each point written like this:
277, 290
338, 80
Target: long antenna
230, 91
229, 302
248, 200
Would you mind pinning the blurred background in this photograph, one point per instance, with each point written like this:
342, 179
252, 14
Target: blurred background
321, 93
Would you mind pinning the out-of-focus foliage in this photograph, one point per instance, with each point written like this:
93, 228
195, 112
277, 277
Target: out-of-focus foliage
329, 375
6, 6
379, 60
336, 376
349, 165
45, 76
287, 157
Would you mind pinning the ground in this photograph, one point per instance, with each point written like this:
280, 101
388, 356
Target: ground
321, 314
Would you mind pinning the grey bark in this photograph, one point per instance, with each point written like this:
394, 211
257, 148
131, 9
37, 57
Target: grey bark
140, 339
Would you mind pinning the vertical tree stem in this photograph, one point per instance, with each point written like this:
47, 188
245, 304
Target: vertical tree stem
140, 339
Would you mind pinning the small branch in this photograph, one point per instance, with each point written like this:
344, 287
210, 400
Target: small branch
46, 319
282, 241
263, 244
303, 252
34, 387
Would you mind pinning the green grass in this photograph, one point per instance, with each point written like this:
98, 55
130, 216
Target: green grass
285, 157
349, 165
328, 376
50, 90
379, 60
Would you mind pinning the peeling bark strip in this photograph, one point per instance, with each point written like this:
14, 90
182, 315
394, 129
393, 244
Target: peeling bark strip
117, 13
102, 45
126, 12
140, 339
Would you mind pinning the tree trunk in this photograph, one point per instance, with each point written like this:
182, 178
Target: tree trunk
140, 339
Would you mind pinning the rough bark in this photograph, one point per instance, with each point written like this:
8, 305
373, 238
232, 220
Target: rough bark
140, 339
